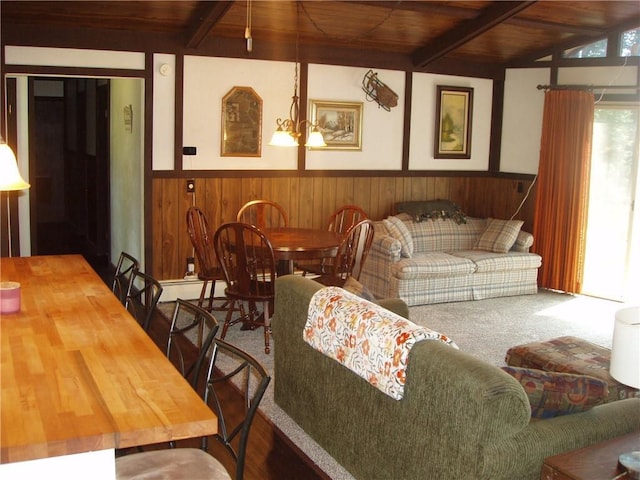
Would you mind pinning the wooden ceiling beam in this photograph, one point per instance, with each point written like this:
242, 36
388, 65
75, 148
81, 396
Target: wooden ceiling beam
203, 26
467, 31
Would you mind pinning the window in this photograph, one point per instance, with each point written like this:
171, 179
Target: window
630, 43
591, 50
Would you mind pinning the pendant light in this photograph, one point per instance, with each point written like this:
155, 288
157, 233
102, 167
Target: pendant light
290, 129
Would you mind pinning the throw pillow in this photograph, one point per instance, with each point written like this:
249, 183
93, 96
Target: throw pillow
354, 286
552, 394
499, 235
398, 230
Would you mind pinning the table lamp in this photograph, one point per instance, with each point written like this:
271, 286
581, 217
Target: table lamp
10, 180
625, 367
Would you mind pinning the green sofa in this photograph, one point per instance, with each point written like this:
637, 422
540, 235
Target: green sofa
459, 418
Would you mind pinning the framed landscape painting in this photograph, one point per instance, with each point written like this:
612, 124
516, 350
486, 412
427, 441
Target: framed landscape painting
339, 122
454, 108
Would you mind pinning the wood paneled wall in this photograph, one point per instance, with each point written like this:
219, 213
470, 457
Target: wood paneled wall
310, 200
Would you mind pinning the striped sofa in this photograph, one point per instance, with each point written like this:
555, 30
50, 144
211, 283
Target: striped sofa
439, 260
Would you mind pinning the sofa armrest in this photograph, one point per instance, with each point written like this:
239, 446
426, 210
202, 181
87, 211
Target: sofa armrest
375, 275
545, 438
395, 305
523, 242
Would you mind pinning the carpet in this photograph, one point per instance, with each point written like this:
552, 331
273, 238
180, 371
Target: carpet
485, 329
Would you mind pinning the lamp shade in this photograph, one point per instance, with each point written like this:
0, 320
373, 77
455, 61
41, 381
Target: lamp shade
10, 178
282, 138
315, 140
625, 349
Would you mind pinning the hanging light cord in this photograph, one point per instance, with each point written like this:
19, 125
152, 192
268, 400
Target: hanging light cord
247, 29
355, 37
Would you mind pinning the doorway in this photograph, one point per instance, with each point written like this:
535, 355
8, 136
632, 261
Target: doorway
612, 241
70, 164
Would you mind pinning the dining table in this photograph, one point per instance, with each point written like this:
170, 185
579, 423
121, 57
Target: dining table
292, 244
80, 378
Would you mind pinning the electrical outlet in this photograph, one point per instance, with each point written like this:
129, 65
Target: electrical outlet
191, 186
189, 150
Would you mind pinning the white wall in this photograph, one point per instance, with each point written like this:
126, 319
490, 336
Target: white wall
206, 81
381, 130
127, 170
164, 111
423, 113
522, 120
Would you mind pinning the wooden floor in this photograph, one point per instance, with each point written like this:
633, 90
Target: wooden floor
271, 455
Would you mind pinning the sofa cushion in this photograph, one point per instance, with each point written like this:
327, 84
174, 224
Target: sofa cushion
497, 262
499, 235
445, 235
398, 230
553, 394
433, 264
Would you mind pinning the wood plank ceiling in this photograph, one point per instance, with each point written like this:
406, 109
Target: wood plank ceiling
451, 36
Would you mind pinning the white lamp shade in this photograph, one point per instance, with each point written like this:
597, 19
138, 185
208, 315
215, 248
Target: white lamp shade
315, 140
625, 349
281, 138
10, 178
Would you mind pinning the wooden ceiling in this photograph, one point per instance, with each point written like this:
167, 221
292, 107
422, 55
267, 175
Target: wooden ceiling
412, 35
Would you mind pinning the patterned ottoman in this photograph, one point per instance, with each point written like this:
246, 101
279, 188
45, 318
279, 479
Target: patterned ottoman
570, 355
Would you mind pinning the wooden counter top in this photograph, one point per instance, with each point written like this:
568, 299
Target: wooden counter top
79, 374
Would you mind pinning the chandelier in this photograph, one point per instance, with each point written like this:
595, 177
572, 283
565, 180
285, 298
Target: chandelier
289, 129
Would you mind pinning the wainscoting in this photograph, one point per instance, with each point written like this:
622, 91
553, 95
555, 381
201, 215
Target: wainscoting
310, 200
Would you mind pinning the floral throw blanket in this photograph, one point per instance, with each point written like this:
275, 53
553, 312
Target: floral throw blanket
372, 342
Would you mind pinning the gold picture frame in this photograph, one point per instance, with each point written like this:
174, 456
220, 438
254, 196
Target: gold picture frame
339, 122
241, 123
454, 109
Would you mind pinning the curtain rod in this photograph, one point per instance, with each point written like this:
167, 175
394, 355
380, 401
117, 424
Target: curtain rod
586, 87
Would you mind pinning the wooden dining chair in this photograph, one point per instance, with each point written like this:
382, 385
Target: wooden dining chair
340, 221
209, 270
142, 297
228, 364
263, 214
249, 266
352, 254
127, 264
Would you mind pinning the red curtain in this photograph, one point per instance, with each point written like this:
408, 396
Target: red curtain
560, 217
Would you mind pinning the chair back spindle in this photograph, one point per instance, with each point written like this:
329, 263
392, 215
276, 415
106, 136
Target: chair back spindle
263, 214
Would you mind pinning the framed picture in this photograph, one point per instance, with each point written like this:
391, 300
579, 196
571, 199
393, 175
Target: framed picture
241, 123
339, 122
454, 108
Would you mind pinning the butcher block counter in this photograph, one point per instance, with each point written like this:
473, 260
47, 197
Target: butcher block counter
79, 375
